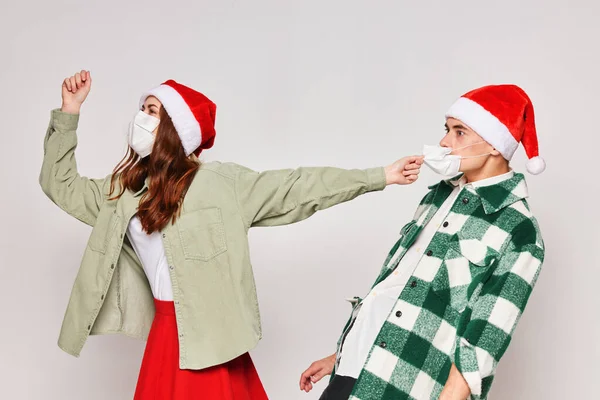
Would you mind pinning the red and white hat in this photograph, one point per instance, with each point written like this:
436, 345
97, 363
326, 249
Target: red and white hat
192, 113
503, 116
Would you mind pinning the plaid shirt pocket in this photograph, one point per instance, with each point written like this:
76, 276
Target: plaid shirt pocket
467, 263
409, 234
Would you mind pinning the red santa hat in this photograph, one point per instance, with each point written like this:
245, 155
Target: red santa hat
192, 113
503, 116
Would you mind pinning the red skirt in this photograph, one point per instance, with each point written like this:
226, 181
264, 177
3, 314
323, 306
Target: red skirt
161, 379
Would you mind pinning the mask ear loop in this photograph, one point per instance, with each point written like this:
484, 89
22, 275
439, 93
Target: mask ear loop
469, 145
481, 155
469, 157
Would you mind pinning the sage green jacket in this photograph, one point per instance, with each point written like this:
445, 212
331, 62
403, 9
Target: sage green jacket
207, 247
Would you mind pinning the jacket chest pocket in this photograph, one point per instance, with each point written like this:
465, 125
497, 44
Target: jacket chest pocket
409, 233
103, 230
202, 234
466, 263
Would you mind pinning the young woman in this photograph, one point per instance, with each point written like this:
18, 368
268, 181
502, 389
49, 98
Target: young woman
168, 256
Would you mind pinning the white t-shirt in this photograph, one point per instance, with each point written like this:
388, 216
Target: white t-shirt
151, 252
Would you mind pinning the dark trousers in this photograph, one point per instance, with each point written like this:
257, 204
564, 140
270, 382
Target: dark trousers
339, 388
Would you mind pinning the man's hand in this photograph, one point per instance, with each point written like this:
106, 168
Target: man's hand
456, 387
316, 372
404, 171
75, 90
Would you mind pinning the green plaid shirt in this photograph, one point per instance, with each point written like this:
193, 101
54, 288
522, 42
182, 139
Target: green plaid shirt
464, 299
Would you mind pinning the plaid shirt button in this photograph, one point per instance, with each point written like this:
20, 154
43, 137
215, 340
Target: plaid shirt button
398, 314
446, 224
465, 201
383, 345
429, 253
413, 284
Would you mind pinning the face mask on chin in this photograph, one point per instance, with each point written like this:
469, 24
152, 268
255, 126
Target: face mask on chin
140, 137
441, 161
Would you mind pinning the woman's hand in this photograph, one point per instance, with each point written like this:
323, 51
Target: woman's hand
74, 91
316, 372
404, 171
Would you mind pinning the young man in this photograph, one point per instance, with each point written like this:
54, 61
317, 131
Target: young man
443, 310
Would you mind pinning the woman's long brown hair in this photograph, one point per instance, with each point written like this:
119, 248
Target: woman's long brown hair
170, 172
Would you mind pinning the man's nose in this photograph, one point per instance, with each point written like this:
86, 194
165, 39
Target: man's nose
445, 142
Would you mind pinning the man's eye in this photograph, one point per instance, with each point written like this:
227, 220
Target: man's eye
460, 133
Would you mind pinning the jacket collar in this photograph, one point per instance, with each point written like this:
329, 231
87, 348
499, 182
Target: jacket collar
497, 196
143, 189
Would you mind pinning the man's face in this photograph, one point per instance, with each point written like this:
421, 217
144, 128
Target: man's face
459, 135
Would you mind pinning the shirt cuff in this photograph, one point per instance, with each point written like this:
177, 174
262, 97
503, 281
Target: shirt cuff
376, 178
64, 122
467, 364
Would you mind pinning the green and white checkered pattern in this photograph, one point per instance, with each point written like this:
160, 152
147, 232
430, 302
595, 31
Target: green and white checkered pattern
465, 297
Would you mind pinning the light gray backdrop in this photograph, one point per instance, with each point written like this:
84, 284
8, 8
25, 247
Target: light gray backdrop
316, 82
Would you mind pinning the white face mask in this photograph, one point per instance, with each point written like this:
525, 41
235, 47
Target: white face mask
140, 136
440, 160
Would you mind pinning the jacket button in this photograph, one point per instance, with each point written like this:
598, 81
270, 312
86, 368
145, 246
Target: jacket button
102, 297
164, 235
465, 201
429, 253
112, 266
170, 267
446, 224
398, 314
89, 327
383, 345
413, 284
